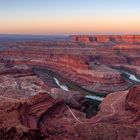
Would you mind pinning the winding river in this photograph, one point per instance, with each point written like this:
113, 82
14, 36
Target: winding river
68, 85
64, 87
132, 77
93, 98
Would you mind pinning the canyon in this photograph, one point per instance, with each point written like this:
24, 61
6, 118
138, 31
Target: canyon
87, 87
107, 38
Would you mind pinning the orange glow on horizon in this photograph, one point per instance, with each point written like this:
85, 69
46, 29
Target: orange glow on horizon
70, 27
69, 16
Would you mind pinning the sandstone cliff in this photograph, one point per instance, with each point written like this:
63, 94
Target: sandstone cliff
107, 38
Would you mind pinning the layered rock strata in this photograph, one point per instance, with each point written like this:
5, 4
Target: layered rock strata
42, 117
19, 82
79, 70
133, 99
107, 38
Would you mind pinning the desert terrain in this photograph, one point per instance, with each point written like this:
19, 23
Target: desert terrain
85, 87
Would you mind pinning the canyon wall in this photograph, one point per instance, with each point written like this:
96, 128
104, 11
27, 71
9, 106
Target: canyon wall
133, 99
106, 38
41, 117
74, 62
75, 65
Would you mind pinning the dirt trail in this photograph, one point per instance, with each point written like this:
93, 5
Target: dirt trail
112, 106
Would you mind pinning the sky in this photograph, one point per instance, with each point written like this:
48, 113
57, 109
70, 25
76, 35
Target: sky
66, 17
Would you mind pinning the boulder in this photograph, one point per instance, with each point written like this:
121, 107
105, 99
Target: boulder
72, 98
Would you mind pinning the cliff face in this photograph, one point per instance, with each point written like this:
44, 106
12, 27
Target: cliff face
106, 38
73, 62
114, 121
133, 99
39, 116
76, 67
37, 106
20, 119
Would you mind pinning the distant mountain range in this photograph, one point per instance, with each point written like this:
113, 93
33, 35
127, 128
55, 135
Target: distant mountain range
7, 37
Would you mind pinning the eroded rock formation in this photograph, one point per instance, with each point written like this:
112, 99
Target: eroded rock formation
72, 98
133, 99
78, 69
19, 120
27, 110
114, 120
20, 82
45, 118
107, 38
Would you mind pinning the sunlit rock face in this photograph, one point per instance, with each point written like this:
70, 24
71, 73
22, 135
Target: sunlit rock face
76, 67
106, 39
32, 109
103, 79
73, 61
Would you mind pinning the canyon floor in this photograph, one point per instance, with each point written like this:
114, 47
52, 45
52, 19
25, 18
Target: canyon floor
82, 88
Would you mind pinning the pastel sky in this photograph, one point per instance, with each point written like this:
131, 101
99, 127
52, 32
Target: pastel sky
60, 17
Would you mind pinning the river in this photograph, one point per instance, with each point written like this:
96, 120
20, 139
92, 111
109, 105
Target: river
132, 77
68, 85
64, 87
93, 98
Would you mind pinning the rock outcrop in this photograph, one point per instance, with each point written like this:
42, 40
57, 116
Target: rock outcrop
79, 70
19, 119
107, 38
20, 82
133, 99
114, 120
72, 98
27, 109
33, 109
41, 117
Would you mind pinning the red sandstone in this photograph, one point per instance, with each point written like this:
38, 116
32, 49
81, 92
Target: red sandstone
42, 116
25, 113
107, 38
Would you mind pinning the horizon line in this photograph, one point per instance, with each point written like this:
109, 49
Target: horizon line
67, 35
